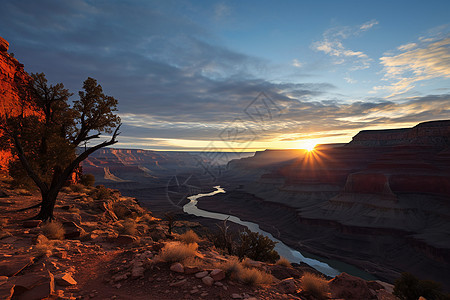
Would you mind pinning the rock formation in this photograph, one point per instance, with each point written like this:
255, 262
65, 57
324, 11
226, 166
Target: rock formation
379, 202
12, 75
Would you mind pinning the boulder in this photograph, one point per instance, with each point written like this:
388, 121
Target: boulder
217, 274
6, 291
34, 286
65, 279
349, 287
72, 230
287, 286
177, 267
208, 280
10, 266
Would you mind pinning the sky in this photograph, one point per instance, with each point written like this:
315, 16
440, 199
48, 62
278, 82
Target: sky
243, 75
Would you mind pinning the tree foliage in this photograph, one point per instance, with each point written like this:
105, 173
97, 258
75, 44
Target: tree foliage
47, 131
409, 287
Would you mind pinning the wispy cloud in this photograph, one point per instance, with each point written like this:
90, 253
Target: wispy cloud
332, 45
430, 59
368, 25
297, 63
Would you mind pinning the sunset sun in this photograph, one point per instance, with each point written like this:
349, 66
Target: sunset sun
309, 145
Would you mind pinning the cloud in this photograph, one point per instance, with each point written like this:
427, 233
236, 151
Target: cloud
297, 63
406, 47
332, 45
415, 63
368, 25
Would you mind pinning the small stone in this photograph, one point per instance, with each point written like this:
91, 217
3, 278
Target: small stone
201, 274
177, 267
118, 286
65, 279
218, 283
178, 283
124, 239
217, 274
208, 280
193, 291
236, 296
31, 223
204, 294
191, 269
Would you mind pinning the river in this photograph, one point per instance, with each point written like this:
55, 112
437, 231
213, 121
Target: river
326, 266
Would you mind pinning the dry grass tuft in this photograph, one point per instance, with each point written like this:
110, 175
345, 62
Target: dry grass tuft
178, 252
316, 285
232, 267
129, 227
253, 276
43, 246
53, 230
189, 237
284, 262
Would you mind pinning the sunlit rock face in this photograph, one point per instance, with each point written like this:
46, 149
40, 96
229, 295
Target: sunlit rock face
12, 75
386, 191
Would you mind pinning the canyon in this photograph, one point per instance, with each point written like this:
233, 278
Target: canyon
380, 202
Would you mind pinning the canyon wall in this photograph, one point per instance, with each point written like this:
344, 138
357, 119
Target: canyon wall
12, 75
380, 202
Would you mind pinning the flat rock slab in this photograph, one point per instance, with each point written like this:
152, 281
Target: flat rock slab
10, 266
34, 286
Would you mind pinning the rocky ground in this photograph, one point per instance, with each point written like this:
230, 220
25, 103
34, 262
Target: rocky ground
111, 248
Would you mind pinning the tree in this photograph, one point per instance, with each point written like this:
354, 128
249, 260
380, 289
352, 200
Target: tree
47, 131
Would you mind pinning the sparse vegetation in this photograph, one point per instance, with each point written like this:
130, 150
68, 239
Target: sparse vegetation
43, 246
189, 237
53, 230
129, 227
101, 193
178, 252
284, 262
232, 267
87, 179
409, 287
78, 188
170, 218
256, 246
316, 285
253, 276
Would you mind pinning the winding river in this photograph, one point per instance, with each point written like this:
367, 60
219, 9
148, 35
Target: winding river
326, 266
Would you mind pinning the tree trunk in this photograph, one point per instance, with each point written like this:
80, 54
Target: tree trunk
48, 205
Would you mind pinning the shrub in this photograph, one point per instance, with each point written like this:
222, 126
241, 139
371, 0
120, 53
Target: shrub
129, 227
77, 188
101, 193
189, 237
121, 211
87, 179
284, 262
256, 246
410, 287
223, 239
178, 252
231, 267
252, 276
53, 230
316, 285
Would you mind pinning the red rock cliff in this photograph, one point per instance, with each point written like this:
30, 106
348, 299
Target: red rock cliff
12, 75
